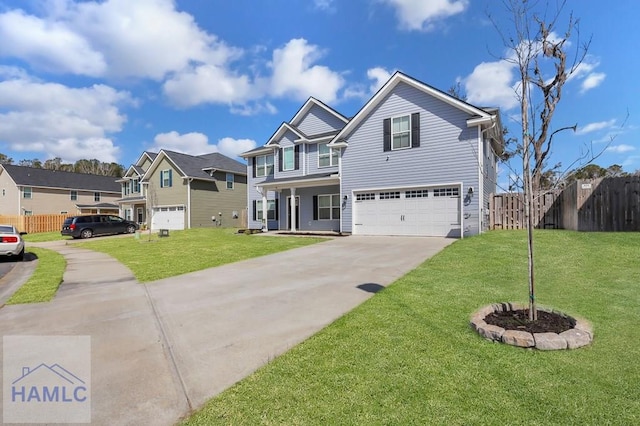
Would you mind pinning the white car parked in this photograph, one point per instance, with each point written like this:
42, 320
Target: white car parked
11, 242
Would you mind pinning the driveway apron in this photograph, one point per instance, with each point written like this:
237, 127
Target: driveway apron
164, 348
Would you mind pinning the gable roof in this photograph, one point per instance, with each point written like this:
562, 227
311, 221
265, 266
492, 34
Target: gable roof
196, 166
146, 154
45, 178
282, 130
295, 121
478, 115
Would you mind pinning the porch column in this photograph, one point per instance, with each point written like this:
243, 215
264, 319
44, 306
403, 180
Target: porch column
292, 209
265, 218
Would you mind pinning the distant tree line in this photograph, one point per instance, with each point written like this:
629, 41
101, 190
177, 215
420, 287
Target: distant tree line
551, 179
92, 167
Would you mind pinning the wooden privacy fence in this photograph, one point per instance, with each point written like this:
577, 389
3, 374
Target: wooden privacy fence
36, 223
605, 204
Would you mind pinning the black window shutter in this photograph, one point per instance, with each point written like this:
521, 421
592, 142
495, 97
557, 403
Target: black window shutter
315, 207
276, 209
280, 159
255, 216
296, 155
161, 176
386, 131
254, 160
415, 130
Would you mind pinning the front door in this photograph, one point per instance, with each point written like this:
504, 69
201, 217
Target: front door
297, 212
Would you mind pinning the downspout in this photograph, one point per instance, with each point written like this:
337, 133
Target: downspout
189, 180
481, 181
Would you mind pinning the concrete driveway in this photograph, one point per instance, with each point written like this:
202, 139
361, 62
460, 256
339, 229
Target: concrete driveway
162, 349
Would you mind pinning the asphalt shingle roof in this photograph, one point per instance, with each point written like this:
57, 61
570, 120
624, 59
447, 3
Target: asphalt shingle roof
193, 166
30, 176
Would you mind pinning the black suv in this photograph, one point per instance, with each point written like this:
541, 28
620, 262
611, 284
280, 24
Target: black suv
97, 224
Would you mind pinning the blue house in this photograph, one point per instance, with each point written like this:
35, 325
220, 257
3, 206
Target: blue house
413, 161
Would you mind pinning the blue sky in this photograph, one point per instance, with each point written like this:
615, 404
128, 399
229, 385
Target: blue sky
109, 79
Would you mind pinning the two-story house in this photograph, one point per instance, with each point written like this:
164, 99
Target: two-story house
413, 161
35, 191
172, 190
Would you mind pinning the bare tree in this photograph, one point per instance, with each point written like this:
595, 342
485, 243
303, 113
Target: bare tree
540, 56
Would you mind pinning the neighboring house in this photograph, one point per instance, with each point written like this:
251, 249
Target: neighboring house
171, 190
30, 191
413, 161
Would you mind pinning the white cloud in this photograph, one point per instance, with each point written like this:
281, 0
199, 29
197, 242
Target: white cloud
422, 14
620, 149
234, 147
324, 5
592, 80
48, 45
295, 75
56, 120
208, 84
114, 38
254, 109
196, 143
379, 76
492, 84
593, 127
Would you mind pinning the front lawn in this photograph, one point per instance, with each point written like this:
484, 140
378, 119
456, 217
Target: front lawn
41, 237
45, 280
152, 258
408, 356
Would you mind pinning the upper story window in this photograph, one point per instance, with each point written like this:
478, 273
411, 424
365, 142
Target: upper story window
327, 156
264, 165
26, 192
73, 195
166, 178
229, 180
96, 196
135, 185
126, 188
288, 158
401, 132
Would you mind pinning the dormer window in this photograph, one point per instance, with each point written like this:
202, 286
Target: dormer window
288, 158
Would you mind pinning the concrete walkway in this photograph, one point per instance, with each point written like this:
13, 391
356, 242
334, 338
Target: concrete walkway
162, 349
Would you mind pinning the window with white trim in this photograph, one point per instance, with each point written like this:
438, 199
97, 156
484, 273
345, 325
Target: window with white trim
417, 193
327, 157
135, 186
96, 196
229, 180
366, 196
271, 210
389, 195
401, 132
329, 207
127, 214
264, 165
27, 192
288, 158
446, 192
73, 195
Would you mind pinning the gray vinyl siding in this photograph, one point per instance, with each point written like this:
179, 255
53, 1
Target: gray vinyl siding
318, 120
490, 176
253, 194
211, 198
312, 162
307, 223
175, 195
10, 199
447, 152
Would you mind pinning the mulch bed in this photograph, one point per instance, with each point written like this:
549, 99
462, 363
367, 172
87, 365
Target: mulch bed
547, 322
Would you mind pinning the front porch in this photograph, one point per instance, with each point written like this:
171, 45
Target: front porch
304, 204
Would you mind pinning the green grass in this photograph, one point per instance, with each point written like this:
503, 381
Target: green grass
190, 250
45, 280
42, 237
408, 356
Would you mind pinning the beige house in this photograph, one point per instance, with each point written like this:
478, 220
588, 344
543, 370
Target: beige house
31, 191
171, 190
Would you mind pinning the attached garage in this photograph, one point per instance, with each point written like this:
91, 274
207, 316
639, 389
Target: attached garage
426, 211
169, 217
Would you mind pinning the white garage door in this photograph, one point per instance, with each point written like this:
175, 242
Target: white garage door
171, 217
432, 211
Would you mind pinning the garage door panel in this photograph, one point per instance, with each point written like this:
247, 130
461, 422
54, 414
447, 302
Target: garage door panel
422, 211
171, 217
